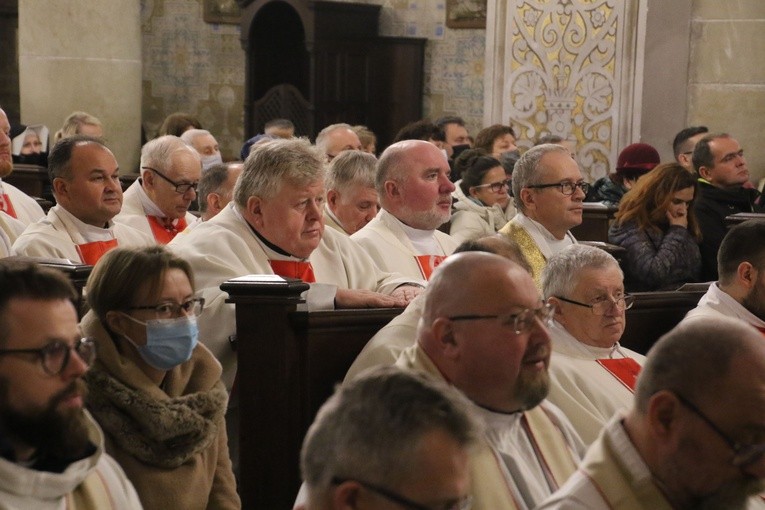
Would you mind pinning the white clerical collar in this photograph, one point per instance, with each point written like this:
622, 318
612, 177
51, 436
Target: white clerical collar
149, 207
726, 299
89, 232
423, 241
329, 213
547, 243
565, 343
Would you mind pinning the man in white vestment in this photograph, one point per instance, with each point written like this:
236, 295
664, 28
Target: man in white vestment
14, 202
352, 199
157, 203
483, 330
548, 191
275, 226
52, 452
386, 345
694, 436
592, 376
416, 198
390, 439
216, 188
205, 144
85, 180
740, 291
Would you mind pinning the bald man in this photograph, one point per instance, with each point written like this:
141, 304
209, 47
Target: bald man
336, 138
416, 198
385, 347
484, 330
693, 439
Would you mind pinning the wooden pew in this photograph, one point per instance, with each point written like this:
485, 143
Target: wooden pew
31, 179
735, 219
596, 218
290, 360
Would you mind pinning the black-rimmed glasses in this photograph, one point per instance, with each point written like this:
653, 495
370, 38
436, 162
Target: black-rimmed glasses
168, 310
520, 322
463, 503
55, 356
601, 306
496, 187
566, 187
743, 454
180, 187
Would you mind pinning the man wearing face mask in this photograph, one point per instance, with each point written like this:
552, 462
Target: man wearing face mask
205, 144
155, 389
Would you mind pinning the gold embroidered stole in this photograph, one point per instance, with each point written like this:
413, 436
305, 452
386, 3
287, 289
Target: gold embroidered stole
529, 249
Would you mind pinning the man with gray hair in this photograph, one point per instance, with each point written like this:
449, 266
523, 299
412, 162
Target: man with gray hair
216, 187
275, 226
592, 376
390, 436
416, 198
693, 438
336, 138
483, 330
205, 144
157, 203
548, 191
740, 291
352, 200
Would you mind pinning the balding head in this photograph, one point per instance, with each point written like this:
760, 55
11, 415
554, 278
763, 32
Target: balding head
497, 244
336, 138
499, 363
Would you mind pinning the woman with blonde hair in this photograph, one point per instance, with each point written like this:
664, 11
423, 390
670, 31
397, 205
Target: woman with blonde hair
156, 391
657, 225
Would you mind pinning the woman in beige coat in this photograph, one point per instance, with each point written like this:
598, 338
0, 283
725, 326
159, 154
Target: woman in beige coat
154, 390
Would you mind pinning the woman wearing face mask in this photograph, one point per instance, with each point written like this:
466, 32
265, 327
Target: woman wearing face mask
154, 389
483, 204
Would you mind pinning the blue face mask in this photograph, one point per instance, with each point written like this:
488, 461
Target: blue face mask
169, 342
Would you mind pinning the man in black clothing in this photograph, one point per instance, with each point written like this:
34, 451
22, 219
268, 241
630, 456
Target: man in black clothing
724, 189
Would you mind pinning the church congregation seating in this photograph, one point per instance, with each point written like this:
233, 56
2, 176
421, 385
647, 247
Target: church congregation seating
294, 359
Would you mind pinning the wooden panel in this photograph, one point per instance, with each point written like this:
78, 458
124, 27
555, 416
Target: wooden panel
31, 179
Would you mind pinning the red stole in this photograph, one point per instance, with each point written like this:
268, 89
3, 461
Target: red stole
293, 269
625, 370
91, 252
428, 263
6, 206
164, 231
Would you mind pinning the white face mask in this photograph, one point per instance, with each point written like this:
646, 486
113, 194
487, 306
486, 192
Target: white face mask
208, 161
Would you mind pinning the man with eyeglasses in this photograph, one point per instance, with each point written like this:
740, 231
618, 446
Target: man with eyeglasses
157, 203
592, 376
684, 143
416, 198
51, 450
484, 330
548, 191
389, 439
740, 290
724, 189
695, 435
336, 138
85, 178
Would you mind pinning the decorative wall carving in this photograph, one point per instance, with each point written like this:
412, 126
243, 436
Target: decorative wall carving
559, 68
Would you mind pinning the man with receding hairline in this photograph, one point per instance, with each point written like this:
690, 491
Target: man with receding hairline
483, 329
695, 436
416, 198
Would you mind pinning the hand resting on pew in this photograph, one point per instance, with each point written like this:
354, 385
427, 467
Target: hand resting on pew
361, 298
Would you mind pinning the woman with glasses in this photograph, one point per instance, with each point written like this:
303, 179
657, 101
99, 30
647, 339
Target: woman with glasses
657, 225
483, 204
154, 389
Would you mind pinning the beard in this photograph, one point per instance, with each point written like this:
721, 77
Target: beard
732, 496
425, 220
755, 301
59, 433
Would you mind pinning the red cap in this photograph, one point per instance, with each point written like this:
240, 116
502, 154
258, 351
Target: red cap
638, 156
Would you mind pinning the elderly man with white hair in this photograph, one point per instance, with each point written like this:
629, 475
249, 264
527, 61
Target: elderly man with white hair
205, 144
592, 376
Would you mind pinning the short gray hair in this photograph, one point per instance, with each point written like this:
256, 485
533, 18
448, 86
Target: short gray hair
351, 168
696, 356
561, 274
370, 428
190, 135
211, 182
323, 136
269, 165
157, 153
528, 170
